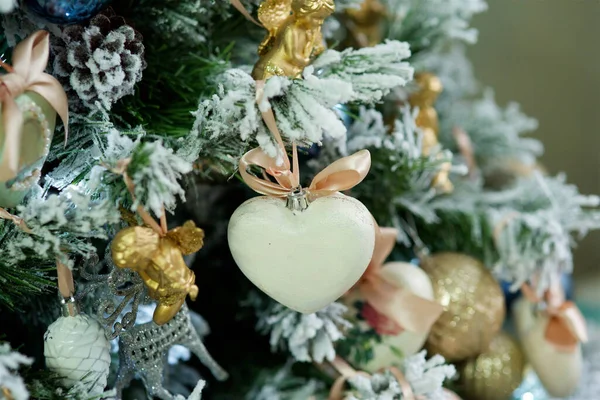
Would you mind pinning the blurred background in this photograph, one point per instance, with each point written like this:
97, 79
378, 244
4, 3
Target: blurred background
545, 55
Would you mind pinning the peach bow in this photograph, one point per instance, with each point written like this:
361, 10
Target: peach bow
30, 58
566, 325
346, 372
406, 310
240, 7
340, 175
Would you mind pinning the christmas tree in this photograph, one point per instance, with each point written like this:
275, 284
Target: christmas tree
274, 200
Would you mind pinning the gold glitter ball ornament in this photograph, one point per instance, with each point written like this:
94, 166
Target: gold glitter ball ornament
159, 261
473, 306
494, 374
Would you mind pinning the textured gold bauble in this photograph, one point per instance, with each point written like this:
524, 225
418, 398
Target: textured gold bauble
495, 374
473, 306
294, 36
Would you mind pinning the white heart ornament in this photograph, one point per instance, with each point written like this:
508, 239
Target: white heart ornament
558, 370
303, 259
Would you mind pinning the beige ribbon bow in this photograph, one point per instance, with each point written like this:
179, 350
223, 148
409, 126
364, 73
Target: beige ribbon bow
566, 325
407, 310
340, 175
346, 372
30, 58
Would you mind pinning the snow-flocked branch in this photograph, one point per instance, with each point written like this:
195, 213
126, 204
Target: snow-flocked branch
308, 337
424, 376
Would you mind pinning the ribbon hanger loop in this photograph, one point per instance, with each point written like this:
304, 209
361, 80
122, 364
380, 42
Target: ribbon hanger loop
30, 58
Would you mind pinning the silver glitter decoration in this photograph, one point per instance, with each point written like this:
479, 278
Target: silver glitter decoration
143, 351
143, 348
122, 283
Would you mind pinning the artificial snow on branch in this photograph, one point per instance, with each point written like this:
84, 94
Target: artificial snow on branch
283, 385
427, 25
181, 23
425, 377
372, 71
400, 175
154, 169
308, 337
535, 228
7, 6
58, 224
10, 362
303, 108
495, 133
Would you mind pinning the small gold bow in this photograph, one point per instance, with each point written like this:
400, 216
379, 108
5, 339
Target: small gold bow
30, 58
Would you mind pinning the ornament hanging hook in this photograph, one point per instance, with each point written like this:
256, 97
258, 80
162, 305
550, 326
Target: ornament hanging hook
421, 250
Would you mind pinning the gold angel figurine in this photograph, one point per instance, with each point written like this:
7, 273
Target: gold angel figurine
159, 262
293, 38
430, 88
364, 23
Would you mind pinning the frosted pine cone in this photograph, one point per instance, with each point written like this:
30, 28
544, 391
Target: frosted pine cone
100, 62
76, 349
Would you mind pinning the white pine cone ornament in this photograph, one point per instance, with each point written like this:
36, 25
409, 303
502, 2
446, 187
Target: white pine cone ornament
77, 349
100, 62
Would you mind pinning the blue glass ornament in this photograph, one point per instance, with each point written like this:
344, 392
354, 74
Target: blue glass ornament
509, 296
567, 283
531, 388
343, 112
65, 12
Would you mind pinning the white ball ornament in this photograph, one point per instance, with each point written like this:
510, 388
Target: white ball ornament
559, 370
394, 348
76, 348
303, 255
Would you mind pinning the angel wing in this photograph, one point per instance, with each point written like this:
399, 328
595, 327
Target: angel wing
272, 14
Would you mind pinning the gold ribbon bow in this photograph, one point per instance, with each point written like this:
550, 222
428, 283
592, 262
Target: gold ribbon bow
340, 175
407, 310
566, 325
346, 372
30, 58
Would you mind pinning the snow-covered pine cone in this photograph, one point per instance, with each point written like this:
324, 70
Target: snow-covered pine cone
100, 62
77, 350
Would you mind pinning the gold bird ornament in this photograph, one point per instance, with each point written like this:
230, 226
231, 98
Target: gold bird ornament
294, 36
158, 259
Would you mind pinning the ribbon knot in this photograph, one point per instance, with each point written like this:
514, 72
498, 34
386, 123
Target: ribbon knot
566, 326
13, 85
340, 175
347, 372
391, 307
30, 58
